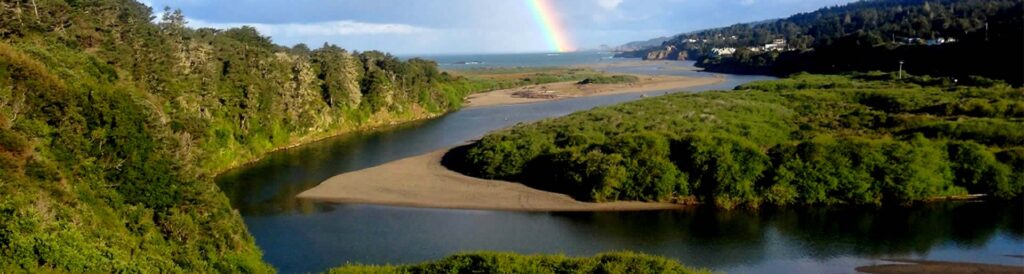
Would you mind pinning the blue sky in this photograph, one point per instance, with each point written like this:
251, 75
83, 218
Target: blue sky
474, 26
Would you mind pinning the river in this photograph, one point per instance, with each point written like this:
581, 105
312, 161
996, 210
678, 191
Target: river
300, 236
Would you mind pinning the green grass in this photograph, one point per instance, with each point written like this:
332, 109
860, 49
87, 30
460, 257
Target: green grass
492, 262
486, 79
609, 79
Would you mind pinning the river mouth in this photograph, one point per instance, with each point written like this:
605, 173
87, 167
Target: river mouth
303, 236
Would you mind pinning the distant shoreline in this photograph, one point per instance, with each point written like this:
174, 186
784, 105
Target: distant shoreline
564, 90
421, 181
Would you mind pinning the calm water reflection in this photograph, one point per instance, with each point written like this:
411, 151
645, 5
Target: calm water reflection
299, 236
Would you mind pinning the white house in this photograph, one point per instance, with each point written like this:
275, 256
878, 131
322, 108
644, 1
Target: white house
777, 44
723, 51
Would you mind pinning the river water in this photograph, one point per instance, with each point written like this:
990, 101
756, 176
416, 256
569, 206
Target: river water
300, 236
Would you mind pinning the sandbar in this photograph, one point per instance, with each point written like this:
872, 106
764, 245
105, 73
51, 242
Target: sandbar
421, 181
570, 89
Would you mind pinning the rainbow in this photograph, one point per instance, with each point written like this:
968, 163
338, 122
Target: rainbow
553, 30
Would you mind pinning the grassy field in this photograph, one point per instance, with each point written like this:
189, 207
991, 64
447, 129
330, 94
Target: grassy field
609, 79
503, 78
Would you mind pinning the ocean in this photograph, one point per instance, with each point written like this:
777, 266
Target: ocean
470, 61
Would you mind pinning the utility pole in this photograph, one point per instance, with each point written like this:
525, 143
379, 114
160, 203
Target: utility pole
901, 70
986, 31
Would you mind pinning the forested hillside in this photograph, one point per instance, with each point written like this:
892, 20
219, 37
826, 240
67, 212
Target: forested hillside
112, 126
863, 139
987, 36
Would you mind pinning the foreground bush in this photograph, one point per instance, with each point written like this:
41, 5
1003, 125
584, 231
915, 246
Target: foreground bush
619, 262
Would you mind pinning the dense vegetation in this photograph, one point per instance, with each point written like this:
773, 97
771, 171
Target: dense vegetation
864, 139
620, 262
609, 79
503, 78
111, 127
872, 35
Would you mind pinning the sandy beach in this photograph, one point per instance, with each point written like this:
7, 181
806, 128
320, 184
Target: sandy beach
562, 90
421, 181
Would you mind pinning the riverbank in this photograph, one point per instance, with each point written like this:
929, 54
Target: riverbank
375, 122
421, 181
570, 89
923, 266
560, 90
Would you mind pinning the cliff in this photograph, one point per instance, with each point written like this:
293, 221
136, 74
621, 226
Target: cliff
657, 53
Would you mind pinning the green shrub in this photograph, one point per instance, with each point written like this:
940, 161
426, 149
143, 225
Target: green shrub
609, 79
805, 140
1014, 158
826, 171
591, 175
984, 130
723, 169
652, 175
488, 262
976, 169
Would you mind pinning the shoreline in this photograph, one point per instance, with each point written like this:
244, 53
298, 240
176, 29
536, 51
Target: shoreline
897, 266
421, 181
313, 138
569, 89
504, 98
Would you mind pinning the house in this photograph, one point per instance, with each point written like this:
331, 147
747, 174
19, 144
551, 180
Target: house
939, 41
913, 41
723, 51
777, 44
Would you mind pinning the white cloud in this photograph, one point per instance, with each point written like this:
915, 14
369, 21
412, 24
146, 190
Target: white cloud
318, 29
609, 4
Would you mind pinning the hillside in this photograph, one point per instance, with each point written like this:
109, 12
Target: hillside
864, 139
112, 126
641, 45
956, 38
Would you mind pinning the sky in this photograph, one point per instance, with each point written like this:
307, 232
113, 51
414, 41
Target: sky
408, 27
